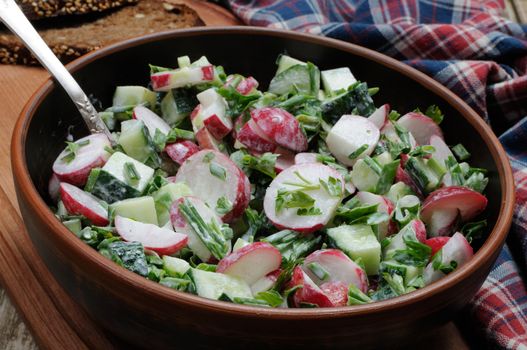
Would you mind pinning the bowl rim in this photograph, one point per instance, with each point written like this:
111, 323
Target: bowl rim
84, 254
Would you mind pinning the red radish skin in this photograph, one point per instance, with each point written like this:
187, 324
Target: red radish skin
238, 124
402, 176
208, 72
195, 172
288, 218
164, 81
206, 140
251, 262
92, 155
160, 80
195, 112
151, 120
309, 291
247, 85
251, 136
54, 188
218, 127
421, 127
339, 267
470, 203
79, 202
380, 116
436, 243
281, 127
160, 240
181, 151
456, 249
337, 292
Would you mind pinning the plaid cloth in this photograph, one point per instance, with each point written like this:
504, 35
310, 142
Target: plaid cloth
470, 48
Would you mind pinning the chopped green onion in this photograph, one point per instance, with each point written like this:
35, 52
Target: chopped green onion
223, 205
318, 271
217, 170
313, 211
208, 157
358, 151
373, 164
461, 152
130, 172
333, 186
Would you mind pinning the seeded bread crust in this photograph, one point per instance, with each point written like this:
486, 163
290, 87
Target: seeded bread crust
68, 43
37, 9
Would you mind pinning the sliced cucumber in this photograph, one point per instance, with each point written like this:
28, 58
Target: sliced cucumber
175, 266
337, 80
61, 209
177, 105
301, 79
134, 95
117, 164
285, 62
183, 61
408, 272
107, 187
422, 175
139, 209
363, 177
201, 62
109, 119
164, 198
74, 225
358, 241
134, 140
212, 285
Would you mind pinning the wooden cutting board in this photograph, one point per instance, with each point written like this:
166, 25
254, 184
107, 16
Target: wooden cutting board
54, 319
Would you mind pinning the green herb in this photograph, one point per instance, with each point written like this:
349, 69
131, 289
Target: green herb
181, 284
265, 164
305, 305
438, 264
292, 199
387, 177
271, 297
157, 69
317, 269
404, 135
313, 211
217, 170
356, 296
176, 134
407, 209
333, 186
358, 151
130, 255
394, 115
421, 151
109, 149
255, 221
473, 230
130, 173
159, 140
395, 282
72, 148
455, 170
305, 184
372, 91
353, 215
250, 301
434, 113
208, 157
223, 205
461, 152
210, 234
416, 254
373, 164
206, 267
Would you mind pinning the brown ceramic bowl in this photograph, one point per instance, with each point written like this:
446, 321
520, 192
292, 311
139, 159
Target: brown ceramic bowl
150, 315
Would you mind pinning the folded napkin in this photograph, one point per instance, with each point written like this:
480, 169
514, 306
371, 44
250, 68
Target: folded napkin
481, 56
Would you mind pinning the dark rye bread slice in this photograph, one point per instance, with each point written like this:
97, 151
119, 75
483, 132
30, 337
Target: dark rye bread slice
74, 38
37, 9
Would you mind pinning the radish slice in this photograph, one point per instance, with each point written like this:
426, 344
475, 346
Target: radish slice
252, 137
212, 176
303, 158
414, 228
385, 206
457, 250
91, 155
440, 208
281, 127
337, 292
160, 240
213, 113
338, 266
309, 293
251, 262
420, 126
247, 85
151, 120
79, 202
402, 175
324, 202
206, 140
165, 81
441, 154
181, 151
196, 118
266, 282
443, 222
180, 224
54, 188
380, 116
286, 159
436, 243
350, 134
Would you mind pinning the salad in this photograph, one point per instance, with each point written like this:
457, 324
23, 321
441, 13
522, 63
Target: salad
304, 195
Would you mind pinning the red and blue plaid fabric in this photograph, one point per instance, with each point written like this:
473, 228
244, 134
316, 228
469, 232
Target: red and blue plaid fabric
469, 47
